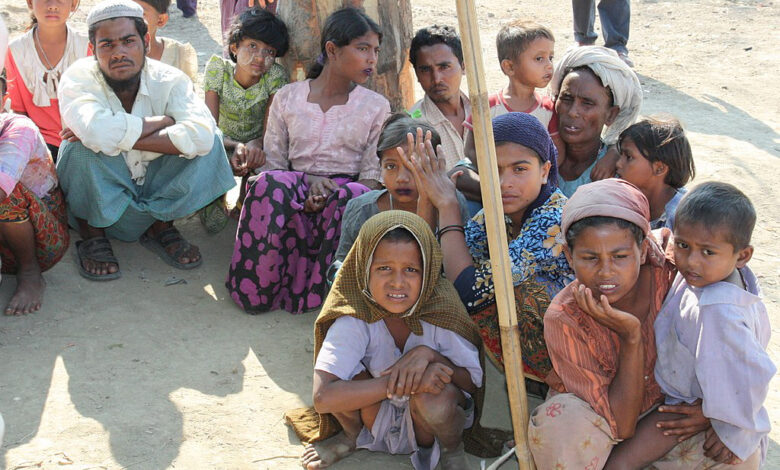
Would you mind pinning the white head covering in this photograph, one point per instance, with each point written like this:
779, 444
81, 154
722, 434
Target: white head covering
614, 73
109, 9
3, 43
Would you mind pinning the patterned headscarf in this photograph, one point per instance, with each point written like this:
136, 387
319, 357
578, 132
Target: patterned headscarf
613, 73
439, 305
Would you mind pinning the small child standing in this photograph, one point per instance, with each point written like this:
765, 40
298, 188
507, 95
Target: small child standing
239, 92
656, 157
166, 50
36, 61
711, 335
525, 54
397, 359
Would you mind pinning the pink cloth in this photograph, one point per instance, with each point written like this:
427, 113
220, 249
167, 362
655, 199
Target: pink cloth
342, 141
24, 157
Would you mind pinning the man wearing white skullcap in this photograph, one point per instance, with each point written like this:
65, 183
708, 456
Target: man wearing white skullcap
141, 150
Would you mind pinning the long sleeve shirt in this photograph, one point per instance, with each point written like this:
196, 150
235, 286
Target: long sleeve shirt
93, 112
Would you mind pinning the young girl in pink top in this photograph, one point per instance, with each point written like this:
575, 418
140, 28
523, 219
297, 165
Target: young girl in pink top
320, 144
36, 61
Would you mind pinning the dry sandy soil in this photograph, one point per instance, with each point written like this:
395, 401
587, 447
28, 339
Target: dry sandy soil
140, 374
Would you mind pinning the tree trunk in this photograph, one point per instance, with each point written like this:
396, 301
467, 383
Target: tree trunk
305, 18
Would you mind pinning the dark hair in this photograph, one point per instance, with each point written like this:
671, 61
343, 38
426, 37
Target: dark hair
395, 129
341, 28
160, 5
661, 139
579, 226
719, 205
399, 235
140, 26
433, 35
586, 69
260, 25
513, 39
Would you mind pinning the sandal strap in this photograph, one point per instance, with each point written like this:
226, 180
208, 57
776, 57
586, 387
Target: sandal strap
97, 249
171, 236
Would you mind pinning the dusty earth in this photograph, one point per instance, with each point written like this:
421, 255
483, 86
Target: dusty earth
145, 373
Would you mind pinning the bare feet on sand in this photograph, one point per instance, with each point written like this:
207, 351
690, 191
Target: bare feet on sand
29, 293
323, 454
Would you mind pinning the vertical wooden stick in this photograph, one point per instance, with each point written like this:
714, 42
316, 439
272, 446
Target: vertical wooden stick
496, 232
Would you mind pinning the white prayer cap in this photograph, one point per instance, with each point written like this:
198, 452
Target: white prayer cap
3, 43
109, 9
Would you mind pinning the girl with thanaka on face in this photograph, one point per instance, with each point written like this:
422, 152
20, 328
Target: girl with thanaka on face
401, 191
239, 92
656, 157
320, 147
532, 207
36, 61
397, 360
600, 334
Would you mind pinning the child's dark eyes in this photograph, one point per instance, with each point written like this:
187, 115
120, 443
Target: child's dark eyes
709, 252
681, 245
390, 166
520, 169
412, 269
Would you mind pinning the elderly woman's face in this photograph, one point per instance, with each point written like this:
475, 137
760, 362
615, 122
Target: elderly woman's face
584, 107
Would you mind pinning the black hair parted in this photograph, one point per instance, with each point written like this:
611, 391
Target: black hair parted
341, 28
436, 34
140, 26
399, 235
395, 129
260, 25
719, 206
579, 226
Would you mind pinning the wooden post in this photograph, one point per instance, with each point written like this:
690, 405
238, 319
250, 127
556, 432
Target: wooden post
393, 79
496, 232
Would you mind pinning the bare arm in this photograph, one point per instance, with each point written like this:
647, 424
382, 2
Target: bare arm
429, 172
468, 184
157, 141
626, 391
333, 395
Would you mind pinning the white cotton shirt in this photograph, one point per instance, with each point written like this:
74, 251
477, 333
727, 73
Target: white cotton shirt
352, 346
712, 345
91, 109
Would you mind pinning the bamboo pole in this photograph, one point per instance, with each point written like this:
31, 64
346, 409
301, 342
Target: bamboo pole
496, 232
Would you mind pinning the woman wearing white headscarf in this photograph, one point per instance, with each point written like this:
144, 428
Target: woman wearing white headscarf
597, 96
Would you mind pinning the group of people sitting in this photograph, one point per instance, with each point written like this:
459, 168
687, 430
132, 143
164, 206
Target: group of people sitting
374, 218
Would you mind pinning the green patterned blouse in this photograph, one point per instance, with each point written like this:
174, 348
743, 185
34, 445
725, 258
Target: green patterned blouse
241, 111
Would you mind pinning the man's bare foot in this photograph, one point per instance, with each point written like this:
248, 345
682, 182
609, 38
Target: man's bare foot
325, 453
29, 292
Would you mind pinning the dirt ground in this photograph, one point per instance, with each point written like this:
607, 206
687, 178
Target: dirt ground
145, 373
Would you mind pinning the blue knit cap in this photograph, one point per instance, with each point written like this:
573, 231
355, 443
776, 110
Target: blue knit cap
526, 130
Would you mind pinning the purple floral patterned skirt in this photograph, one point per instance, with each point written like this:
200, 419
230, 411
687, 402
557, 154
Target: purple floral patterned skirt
281, 253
